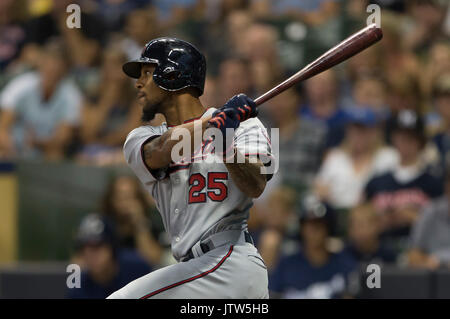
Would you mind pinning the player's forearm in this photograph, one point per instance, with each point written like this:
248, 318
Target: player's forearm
158, 152
247, 176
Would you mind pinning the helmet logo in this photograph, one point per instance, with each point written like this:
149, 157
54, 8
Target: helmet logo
170, 73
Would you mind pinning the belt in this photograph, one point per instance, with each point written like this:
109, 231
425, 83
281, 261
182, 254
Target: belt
204, 246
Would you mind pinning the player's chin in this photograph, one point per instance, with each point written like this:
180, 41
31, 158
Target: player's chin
142, 101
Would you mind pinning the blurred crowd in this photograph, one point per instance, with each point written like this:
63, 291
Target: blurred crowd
364, 148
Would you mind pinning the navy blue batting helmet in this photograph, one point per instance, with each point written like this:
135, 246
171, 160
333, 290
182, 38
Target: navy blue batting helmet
178, 64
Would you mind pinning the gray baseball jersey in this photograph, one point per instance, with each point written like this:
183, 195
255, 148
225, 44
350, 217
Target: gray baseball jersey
200, 198
196, 200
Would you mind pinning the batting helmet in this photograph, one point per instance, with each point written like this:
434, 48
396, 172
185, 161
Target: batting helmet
178, 64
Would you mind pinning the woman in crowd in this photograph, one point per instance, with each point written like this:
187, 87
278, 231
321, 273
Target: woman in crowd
137, 222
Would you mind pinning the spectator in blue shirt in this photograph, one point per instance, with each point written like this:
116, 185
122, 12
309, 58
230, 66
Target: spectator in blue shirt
314, 272
322, 106
105, 267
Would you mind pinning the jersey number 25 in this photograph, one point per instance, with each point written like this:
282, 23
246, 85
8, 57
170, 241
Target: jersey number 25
216, 190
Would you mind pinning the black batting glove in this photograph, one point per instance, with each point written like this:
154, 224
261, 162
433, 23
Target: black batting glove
245, 107
222, 119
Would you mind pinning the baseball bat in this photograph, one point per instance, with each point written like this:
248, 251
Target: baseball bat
354, 44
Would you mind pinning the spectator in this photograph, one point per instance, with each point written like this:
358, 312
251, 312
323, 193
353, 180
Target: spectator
237, 24
399, 195
403, 94
436, 66
427, 23
300, 142
12, 32
113, 13
40, 109
210, 95
139, 225
367, 62
279, 224
105, 267
397, 63
112, 115
227, 7
83, 44
313, 13
370, 91
322, 106
140, 26
233, 78
364, 242
430, 236
441, 97
313, 272
347, 168
173, 12
257, 45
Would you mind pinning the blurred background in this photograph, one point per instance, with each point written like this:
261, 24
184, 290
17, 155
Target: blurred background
364, 148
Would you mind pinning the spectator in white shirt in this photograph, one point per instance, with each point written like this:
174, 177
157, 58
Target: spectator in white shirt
39, 110
347, 168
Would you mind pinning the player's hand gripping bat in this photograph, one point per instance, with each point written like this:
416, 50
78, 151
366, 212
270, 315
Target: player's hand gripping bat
339, 53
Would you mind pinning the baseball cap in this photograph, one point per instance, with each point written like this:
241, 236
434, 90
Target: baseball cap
95, 229
312, 208
409, 120
362, 115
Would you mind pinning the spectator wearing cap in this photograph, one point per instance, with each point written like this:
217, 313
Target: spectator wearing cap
347, 168
313, 272
430, 236
400, 194
105, 267
40, 110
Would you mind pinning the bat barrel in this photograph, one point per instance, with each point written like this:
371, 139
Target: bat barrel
341, 52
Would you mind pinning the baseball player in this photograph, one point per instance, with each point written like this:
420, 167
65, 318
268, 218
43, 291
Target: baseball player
204, 203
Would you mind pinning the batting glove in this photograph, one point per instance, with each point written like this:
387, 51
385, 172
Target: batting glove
244, 106
222, 119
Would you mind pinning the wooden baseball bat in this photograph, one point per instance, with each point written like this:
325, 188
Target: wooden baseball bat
339, 53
